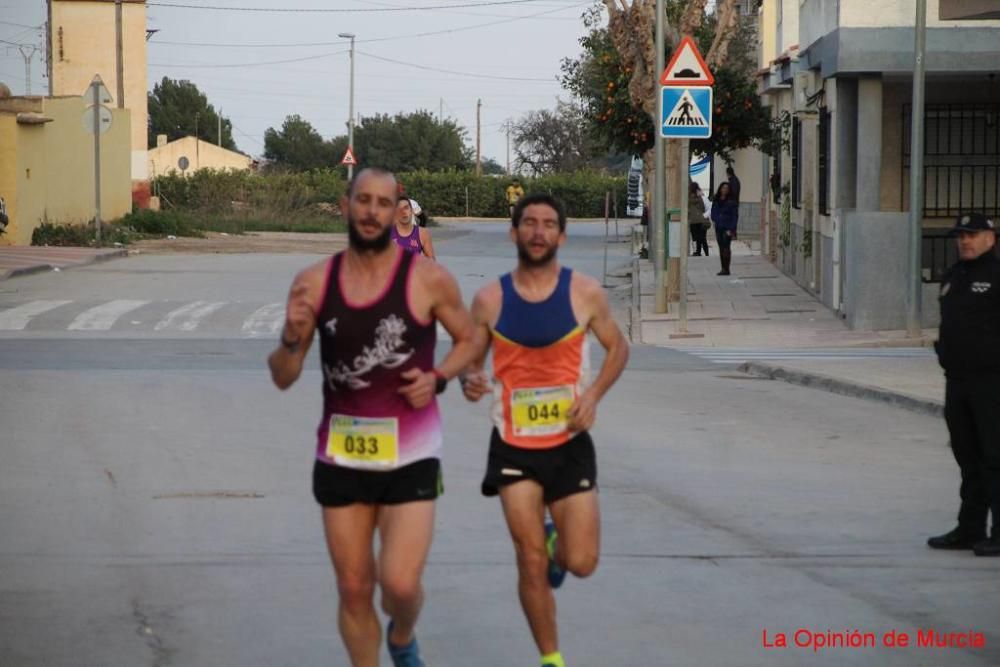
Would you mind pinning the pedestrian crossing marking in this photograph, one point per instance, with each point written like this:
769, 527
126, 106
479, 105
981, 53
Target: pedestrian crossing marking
17, 318
104, 316
686, 113
722, 355
187, 318
265, 320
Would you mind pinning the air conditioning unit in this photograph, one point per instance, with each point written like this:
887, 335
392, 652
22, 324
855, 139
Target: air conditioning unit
806, 86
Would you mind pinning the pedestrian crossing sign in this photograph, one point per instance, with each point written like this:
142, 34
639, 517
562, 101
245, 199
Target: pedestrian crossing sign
687, 112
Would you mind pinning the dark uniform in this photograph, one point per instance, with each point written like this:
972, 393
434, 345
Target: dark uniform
968, 349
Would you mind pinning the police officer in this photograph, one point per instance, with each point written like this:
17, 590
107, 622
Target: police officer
968, 349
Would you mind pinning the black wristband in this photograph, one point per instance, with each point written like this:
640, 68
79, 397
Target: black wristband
441, 384
291, 346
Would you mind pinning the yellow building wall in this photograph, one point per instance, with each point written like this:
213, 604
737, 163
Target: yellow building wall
768, 31
83, 44
52, 168
203, 155
8, 170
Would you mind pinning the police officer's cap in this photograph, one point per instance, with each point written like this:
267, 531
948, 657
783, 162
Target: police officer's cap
973, 222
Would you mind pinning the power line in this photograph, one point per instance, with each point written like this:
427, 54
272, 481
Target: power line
291, 10
251, 138
393, 38
449, 71
257, 64
21, 25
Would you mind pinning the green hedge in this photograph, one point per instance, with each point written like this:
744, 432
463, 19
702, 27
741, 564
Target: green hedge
285, 197
224, 191
444, 193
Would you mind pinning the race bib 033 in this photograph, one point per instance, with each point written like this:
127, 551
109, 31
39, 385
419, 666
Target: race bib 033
363, 441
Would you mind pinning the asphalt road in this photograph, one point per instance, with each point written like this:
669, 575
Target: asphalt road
155, 505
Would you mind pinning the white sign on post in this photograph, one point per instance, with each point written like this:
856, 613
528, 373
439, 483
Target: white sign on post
103, 94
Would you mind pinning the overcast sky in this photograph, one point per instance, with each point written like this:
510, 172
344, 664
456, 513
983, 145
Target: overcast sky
486, 40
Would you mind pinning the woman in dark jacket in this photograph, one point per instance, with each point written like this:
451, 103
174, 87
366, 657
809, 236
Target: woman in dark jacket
696, 220
724, 212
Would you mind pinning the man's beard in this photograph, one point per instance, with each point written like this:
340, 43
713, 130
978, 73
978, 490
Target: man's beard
361, 244
532, 262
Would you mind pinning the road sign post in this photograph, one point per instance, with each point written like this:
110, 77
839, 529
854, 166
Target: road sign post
98, 117
685, 114
350, 161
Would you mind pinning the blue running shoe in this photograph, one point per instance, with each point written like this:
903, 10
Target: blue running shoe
556, 573
403, 656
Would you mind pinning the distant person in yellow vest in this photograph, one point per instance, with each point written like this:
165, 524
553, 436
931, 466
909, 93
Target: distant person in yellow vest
514, 192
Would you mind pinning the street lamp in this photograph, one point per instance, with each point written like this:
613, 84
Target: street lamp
350, 113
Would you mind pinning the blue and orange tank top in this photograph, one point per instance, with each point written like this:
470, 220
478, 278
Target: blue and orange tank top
364, 349
409, 243
541, 364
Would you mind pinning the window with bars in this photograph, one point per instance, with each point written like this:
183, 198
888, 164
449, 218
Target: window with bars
824, 162
961, 159
796, 163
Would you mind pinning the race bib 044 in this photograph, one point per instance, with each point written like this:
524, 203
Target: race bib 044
368, 441
540, 411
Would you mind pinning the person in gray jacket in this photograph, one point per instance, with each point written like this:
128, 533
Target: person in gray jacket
696, 220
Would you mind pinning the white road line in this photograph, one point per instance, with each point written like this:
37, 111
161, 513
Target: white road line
265, 320
188, 317
104, 316
16, 318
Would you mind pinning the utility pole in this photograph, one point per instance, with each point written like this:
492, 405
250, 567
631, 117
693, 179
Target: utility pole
914, 292
658, 201
350, 111
95, 88
49, 60
220, 128
440, 109
508, 128
197, 143
119, 54
27, 52
479, 166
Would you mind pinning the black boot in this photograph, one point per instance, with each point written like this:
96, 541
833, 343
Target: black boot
724, 256
959, 538
988, 547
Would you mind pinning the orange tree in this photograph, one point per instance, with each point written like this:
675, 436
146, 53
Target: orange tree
605, 85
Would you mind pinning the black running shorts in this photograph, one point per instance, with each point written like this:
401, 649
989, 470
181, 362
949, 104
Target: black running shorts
562, 471
337, 486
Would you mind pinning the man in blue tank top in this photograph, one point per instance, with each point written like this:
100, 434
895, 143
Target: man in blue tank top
536, 320
375, 308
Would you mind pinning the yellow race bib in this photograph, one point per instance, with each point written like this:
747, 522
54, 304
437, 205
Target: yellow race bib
369, 442
540, 410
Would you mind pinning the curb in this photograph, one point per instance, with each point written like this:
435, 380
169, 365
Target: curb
40, 268
635, 314
26, 271
844, 388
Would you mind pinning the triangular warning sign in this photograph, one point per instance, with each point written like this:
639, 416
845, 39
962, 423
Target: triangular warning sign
685, 113
687, 67
349, 157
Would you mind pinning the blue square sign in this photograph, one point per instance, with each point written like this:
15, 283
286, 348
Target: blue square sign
687, 112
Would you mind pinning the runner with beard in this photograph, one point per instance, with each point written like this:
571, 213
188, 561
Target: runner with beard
375, 307
541, 455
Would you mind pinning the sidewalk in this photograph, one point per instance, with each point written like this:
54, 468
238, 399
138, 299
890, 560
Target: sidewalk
758, 307
22, 260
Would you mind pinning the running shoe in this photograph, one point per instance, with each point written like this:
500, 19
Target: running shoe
556, 573
403, 656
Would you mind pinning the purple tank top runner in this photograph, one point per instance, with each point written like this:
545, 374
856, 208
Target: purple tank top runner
364, 349
409, 243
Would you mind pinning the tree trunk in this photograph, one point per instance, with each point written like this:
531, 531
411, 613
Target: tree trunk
632, 29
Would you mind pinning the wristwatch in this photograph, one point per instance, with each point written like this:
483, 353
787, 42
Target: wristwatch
441, 384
